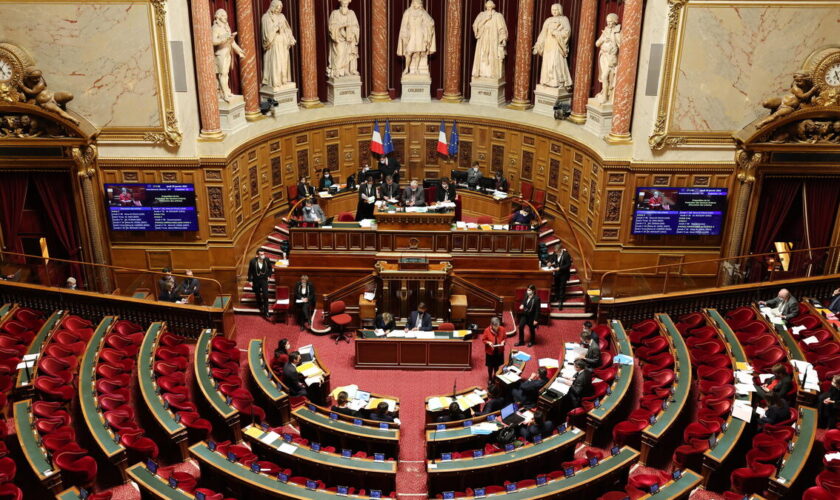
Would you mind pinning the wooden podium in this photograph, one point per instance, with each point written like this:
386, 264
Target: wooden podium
414, 221
404, 288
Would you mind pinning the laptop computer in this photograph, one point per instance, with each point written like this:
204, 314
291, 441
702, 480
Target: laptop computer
509, 415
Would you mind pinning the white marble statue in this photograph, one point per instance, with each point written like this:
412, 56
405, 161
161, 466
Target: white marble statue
417, 39
277, 39
344, 41
609, 42
491, 37
553, 46
223, 43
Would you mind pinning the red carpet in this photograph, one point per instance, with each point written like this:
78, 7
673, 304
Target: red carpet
410, 386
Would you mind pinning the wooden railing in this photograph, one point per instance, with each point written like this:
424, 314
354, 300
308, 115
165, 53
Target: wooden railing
349, 293
483, 294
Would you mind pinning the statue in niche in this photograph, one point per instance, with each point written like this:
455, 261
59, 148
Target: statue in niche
277, 39
491, 37
553, 46
417, 39
35, 89
609, 42
801, 91
344, 41
224, 43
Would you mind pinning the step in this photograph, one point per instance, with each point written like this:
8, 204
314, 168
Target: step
246, 310
545, 233
250, 289
550, 240
273, 249
277, 237
251, 298
282, 228
564, 314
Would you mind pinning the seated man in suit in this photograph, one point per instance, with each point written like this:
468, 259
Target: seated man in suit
419, 319
779, 385
777, 411
538, 427
313, 213
446, 191
165, 278
528, 391
169, 293
190, 286
294, 380
784, 306
834, 303
454, 414
305, 189
414, 196
340, 406
381, 413
593, 349
473, 176
389, 190
495, 399
581, 386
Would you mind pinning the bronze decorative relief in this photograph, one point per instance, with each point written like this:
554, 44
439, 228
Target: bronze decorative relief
498, 157
332, 156
212, 175
276, 172
303, 162
613, 210
216, 202
464, 154
527, 165
169, 176
252, 175
576, 183
553, 172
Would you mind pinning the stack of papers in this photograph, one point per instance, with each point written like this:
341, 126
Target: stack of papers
438, 403
472, 225
832, 456
461, 224
281, 263
743, 377
572, 352
396, 334
366, 223
324, 194
764, 377
742, 410
548, 363
521, 356
499, 227
484, 428
349, 389
559, 386
469, 400
369, 296
420, 334
744, 389
459, 334
309, 370
486, 227
499, 195
379, 332
509, 377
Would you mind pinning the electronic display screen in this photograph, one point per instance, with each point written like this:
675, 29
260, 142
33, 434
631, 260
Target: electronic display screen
679, 211
151, 207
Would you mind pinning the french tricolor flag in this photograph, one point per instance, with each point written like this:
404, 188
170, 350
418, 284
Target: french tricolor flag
442, 147
376, 140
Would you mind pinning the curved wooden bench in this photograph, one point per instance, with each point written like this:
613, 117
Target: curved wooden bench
270, 387
368, 435
612, 404
207, 386
30, 444
23, 381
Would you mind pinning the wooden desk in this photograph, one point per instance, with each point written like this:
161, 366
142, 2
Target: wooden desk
413, 221
444, 352
475, 204
315, 424
610, 404
37, 457
23, 387
271, 390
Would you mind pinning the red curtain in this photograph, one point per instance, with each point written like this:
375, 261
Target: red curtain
820, 205
58, 206
11, 209
776, 199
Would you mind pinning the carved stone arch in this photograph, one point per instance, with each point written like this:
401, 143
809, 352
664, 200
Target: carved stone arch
45, 128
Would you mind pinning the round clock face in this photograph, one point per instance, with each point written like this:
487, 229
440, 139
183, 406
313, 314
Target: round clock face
6, 70
832, 75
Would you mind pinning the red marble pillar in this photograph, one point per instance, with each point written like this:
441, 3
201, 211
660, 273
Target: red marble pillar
248, 64
308, 56
625, 79
524, 46
205, 70
379, 49
585, 56
452, 64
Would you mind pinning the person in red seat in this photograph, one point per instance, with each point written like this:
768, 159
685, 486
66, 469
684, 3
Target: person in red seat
281, 356
593, 350
494, 340
779, 385
292, 378
828, 405
784, 306
777, 410
528, 392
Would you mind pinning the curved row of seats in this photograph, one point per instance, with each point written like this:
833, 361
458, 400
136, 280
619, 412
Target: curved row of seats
605, 372
828, 481
224, 360
818, 344
712, 364
188, 483
653, 350
53, 382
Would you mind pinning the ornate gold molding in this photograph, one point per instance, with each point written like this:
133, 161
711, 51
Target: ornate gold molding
745, 164
85, 159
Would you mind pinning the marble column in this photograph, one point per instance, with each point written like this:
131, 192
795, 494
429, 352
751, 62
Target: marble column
625, 79
308, 55
524, 46
248, 64
205, 71
452, 64
584, 60
379, 49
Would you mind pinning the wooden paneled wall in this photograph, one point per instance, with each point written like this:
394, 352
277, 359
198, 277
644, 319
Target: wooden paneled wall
239, 197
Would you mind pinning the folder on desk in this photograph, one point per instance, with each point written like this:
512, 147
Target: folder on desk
439, 403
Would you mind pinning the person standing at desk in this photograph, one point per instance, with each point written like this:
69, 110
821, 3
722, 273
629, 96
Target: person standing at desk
414, 196
494, 340
389, 190
367, 197
326, 181
499, 182
389, 166
304, 300
446, 192
419, 319
313, 213
305, 189
473, 176
529, 315
291, 377
385, 322
259, 270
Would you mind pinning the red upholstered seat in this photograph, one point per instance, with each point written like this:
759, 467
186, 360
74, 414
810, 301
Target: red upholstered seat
628, 430
808, 321
690, 455
135, 441
179, 402
77, 466
54, 389
701, 333
9, 491
193, 421
751, 479
651, 346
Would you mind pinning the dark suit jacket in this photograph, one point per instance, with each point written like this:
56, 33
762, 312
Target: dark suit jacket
582, 383
293, 381
531, 311
390, 167
776, 414
368, 190
492, 405
564, 262
389, 190
532, 430
501, 184
418, 196
381, 418
310, 292
322, 183
529, 391
254, 272
524, 220
188, 286
442, 192
345, 411
381, 325
789, 311
425, 322
166, 296
305, 190
447, 417
593, 354
834, 305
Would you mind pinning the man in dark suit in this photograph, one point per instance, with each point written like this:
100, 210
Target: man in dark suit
414, 196
581, 386
389, 190
538, 427
529, 315
495, 399
562, 274
473, 176
389, 165
291, 377
528, 391
419, 319
259, 271
305, 189
454, 414
304, 300
446, 191
593, 349
499, 182
166, 278
834, 304
381, 413
190, 286
784, 305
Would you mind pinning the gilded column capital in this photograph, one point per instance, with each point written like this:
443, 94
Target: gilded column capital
746, 162
85, 159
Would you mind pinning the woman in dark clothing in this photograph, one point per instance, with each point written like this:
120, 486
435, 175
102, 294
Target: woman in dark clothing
326, 180
281, 356
340, 406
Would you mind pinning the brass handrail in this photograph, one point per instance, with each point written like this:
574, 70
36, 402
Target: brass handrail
253, 232
587, 267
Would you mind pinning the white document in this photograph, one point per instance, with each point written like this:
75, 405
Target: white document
498, 227
411, 334
287, 448
30, 357
742, 411
744, 389
369, 296
764, 377
796, 329
282, 301
324, 194
832, 456
313, 380
549, 363
270, 437
396, 334
307, 349
742, 377
356, 404
379, 332
25, 364
560, 385
424, 335
760, 411
810, 340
